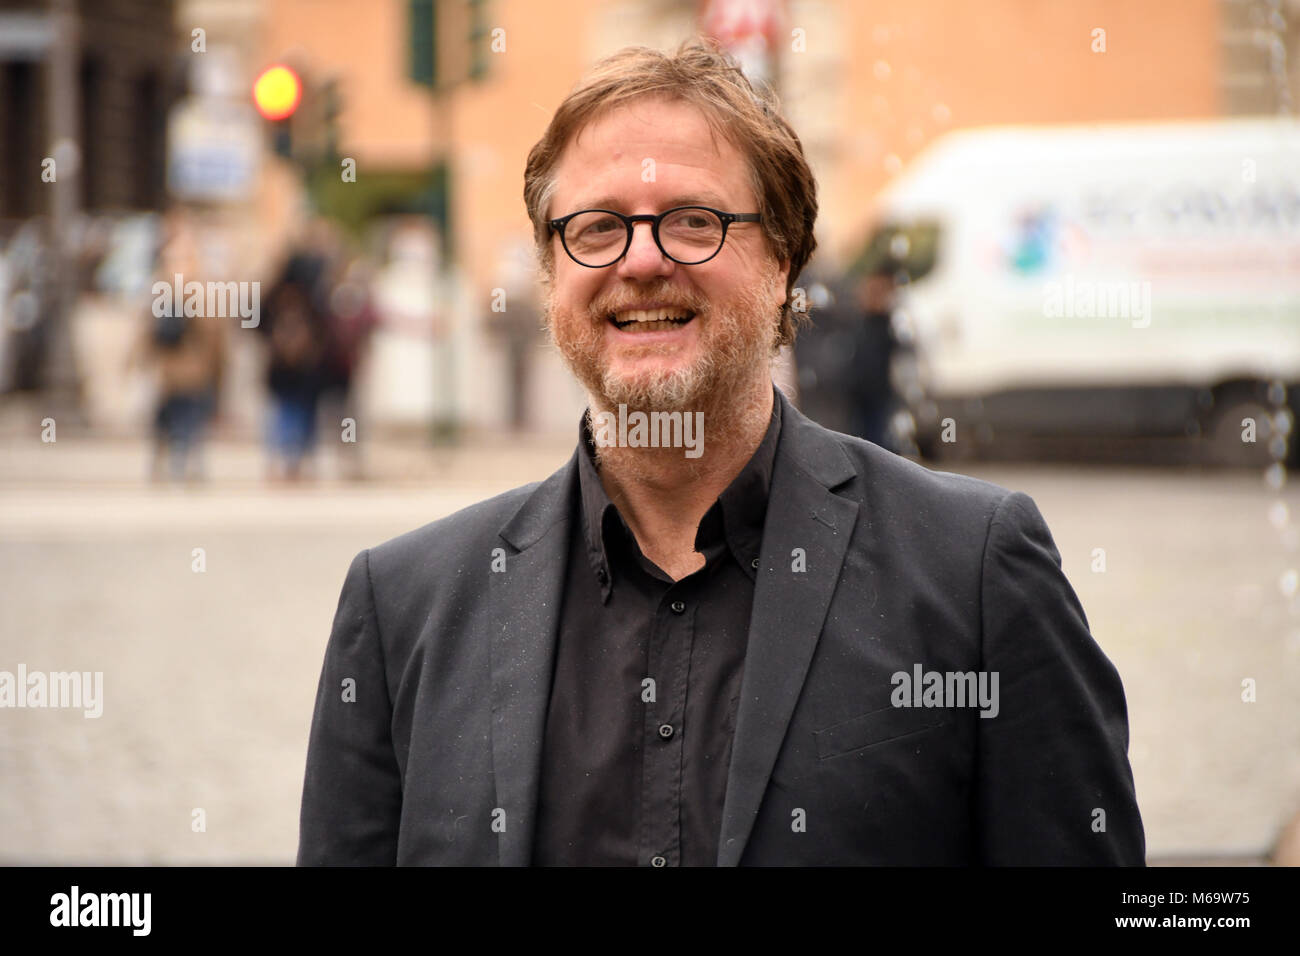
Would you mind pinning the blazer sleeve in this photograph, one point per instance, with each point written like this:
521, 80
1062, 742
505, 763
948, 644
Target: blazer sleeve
352, 792
1053, 781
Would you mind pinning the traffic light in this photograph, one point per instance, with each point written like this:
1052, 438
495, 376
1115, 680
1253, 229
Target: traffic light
277, 91
302, 112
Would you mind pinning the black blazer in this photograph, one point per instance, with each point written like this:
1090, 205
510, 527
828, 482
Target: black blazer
426, 742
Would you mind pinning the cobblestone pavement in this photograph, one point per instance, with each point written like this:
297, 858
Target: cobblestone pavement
209, 678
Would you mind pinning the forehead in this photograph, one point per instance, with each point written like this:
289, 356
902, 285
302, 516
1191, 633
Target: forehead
645, 153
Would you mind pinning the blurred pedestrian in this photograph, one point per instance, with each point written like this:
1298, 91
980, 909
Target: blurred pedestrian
296, 325
29, 297
188, 355
518, 331
871, 386
351, 317
825, 353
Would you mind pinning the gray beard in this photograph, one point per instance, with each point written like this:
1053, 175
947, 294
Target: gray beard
722, 384
716, 383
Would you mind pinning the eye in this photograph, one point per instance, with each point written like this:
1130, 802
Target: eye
687, 221
593, 226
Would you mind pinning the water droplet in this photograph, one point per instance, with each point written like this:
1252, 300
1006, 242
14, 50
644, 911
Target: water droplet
1279, 514
1275, 476
881, 70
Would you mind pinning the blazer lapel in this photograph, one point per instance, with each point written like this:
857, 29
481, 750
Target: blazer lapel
789, 608
525, 600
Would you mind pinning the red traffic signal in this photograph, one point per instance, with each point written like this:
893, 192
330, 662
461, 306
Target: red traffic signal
277, 91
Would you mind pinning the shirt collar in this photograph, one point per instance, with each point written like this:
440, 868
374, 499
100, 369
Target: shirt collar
737, 515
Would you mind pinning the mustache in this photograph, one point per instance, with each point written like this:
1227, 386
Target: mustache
602, 308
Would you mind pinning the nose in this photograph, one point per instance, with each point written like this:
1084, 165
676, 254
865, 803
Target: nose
644, 260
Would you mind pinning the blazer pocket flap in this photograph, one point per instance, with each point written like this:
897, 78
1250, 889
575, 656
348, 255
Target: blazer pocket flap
875, 728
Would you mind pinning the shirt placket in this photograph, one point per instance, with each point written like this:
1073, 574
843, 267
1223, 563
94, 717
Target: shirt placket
663, 732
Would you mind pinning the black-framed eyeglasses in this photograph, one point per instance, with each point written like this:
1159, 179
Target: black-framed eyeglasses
688, 235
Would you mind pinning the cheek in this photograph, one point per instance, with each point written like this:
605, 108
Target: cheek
756, 273
754, 288
576, 290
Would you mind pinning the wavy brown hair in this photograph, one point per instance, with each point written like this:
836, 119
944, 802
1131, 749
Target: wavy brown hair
750, 119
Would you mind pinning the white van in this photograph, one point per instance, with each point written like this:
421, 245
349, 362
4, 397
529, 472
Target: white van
1126, 280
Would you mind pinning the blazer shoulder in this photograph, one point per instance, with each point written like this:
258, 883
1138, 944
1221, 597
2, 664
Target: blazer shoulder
456, 533
883, 473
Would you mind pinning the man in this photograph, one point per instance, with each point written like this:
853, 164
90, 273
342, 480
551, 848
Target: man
702, 654
875, 345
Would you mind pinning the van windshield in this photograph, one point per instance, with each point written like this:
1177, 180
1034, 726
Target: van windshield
912, 246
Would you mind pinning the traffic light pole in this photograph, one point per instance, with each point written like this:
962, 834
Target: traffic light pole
61, 379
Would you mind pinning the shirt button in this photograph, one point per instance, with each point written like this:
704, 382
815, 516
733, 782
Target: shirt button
658, 861
679, 606
665, 731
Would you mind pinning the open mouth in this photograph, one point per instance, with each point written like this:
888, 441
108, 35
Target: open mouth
654, 320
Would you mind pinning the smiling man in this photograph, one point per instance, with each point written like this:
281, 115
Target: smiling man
790, 648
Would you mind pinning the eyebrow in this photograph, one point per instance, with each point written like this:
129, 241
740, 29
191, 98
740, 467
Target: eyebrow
690, 199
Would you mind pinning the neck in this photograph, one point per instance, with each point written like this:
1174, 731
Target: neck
662, 494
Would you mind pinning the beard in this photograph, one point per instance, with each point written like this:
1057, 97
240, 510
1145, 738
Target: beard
736, 341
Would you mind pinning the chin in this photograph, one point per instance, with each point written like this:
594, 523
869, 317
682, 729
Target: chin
672, 390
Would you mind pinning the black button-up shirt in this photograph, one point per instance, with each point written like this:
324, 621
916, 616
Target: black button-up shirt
647, 680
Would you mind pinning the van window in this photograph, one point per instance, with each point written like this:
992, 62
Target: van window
913, 245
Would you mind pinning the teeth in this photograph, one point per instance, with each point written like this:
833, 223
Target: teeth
652, 326
651, 315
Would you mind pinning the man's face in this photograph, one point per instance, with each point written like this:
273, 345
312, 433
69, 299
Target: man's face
732, 301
